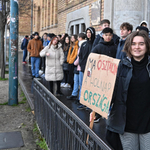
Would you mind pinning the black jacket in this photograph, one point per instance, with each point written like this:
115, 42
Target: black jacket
120, 54
86, 48
65, 64
25, 43
105, 48
117, 119
98, 39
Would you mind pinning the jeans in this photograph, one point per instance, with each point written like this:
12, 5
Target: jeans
24, 54
76, 85
80, 82
35, 64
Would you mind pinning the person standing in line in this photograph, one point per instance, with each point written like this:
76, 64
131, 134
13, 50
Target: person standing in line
85, 50
25, 52
77, 68
54, 61
105, 23
34, 47
129, 117
65, 64
125, 30
72, 54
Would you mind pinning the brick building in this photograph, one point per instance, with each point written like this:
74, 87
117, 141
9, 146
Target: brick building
71, 16
74, 16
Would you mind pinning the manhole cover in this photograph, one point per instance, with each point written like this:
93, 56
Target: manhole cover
11, 140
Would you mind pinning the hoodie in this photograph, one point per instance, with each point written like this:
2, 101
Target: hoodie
86, 48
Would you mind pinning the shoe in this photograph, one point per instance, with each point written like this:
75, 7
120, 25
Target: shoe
97, 118
40, 72
59, 93
81, 107
62, 84
67, 85
33, 77
23, 62
71, 97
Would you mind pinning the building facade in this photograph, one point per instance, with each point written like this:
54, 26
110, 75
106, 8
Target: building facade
74, 16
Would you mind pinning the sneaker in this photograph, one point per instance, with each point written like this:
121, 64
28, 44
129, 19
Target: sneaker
71, 97
81, 107
23, 62
77, 102
62, 84
67, 85
40, 72
33, 77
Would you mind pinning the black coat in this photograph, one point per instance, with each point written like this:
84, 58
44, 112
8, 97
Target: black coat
98, 39
86, 48
105, 48
117, 119
65, 64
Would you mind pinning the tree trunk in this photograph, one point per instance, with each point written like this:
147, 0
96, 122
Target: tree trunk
2, 52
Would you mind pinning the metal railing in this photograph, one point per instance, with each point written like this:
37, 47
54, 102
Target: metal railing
61, 128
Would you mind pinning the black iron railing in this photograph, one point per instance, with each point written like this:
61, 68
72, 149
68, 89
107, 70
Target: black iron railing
61, 128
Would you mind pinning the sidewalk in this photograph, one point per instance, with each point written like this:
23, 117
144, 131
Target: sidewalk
17, 118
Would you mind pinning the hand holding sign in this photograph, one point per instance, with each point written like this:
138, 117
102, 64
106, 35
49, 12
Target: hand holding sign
98, 83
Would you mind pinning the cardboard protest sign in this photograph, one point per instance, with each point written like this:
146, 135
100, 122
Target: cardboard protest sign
98, 83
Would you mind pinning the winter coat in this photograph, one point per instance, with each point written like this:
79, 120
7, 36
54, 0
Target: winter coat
34, 47
54, 62
99, 36
65, 64
76, 62
25, 43
117, 118
120, 54
72, 55
106, 48
85, 49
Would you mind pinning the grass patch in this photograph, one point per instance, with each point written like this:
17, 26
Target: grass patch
3, 79
6, 103
40, 141
28, 109
24, 99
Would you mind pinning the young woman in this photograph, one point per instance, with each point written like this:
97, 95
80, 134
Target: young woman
72, 54
54, 61
65, 64
129, 117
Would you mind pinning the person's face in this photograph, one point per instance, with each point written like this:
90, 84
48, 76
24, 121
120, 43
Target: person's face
107, 37
124, 33
138, 48
55, 41
45, 37
67, 40
144, 25
105, 25
48, 38
79, 38
36, 36
73, 39
88, 34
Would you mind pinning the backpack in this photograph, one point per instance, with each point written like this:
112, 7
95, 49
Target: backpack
22, 47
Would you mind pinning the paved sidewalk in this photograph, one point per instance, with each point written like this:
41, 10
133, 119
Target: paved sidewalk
17, 118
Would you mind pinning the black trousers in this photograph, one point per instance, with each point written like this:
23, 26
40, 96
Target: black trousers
51, 86
66, 75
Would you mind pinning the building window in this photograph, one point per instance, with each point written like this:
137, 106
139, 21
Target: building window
77, 28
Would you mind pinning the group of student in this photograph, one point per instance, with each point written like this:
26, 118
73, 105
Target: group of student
128, 123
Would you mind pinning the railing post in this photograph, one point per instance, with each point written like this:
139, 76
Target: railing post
13, 54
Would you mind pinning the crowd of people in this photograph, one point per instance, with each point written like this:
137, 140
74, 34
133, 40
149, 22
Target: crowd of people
62, 58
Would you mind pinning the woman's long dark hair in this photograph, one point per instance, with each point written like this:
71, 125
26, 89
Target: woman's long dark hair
66, 45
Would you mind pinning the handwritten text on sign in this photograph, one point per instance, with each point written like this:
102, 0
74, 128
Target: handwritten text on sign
98, 83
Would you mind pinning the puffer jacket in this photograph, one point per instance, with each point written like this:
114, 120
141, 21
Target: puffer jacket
117, 118
34, 47
54, 62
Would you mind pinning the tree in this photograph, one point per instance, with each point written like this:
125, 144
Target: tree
24, 8
4, 12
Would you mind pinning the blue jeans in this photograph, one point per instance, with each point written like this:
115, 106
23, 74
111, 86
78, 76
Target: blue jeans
24, 54
35, 64
80, 82
76, 85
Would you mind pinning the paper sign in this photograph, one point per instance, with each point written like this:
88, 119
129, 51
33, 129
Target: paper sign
98, 83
